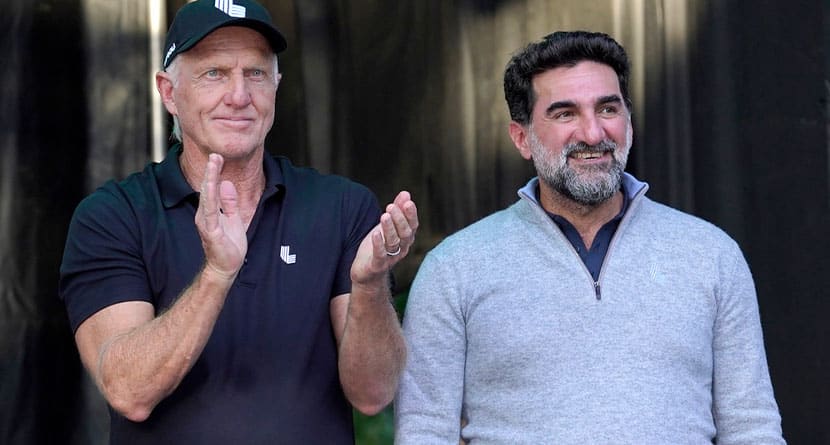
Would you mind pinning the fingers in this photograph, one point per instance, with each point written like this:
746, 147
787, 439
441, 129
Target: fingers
379, 248
410, 211
228, 199
217, 219
399, 224
402, 198
209, 195
216, 197
388, 242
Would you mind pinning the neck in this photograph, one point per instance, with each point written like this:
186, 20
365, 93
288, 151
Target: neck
587, 219
247, 175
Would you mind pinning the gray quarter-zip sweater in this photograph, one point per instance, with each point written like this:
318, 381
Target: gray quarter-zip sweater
506, 331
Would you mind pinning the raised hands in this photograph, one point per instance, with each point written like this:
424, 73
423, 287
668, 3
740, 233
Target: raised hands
388, 242
219, 223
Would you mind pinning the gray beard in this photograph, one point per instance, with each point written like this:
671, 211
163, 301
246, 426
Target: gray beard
590, 186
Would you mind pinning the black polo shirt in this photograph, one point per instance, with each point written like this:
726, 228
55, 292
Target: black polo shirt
268, 373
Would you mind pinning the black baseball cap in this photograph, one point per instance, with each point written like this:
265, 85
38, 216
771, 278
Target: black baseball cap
197, 19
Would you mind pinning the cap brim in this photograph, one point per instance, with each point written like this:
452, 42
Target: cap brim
275, 39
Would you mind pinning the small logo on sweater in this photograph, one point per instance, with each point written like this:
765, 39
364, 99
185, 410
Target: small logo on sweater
287, 257
656, 275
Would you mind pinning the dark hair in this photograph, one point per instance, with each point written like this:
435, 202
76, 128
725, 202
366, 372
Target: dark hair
563, 48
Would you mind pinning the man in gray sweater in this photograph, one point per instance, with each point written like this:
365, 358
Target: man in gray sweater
585, 313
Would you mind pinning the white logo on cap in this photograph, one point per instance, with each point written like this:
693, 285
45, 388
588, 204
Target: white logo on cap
169, 51
229, 8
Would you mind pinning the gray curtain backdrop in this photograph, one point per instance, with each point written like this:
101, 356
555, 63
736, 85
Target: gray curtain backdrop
731, 124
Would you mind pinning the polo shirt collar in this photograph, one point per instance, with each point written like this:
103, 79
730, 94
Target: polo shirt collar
274, 179
174, 188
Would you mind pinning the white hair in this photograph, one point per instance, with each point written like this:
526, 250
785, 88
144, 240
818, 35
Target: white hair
173, 70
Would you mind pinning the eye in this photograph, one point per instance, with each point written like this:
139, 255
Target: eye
256, 74
609, 110
212, 73
562, 115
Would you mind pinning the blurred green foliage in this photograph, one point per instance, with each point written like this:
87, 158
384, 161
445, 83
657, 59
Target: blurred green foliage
374, 430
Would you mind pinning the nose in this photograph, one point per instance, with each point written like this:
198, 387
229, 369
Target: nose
590, 130
238, 94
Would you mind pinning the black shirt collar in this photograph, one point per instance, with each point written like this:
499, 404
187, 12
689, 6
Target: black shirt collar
174, 188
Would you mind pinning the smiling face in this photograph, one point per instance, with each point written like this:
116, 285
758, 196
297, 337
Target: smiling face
580, 132
223, 92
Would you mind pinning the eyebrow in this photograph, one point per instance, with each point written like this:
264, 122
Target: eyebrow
558, 105
609, 99
603, 100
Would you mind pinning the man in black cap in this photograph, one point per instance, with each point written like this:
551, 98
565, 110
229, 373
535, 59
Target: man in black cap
224, 295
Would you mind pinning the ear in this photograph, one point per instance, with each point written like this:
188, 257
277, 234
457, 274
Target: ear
277, 80
164, 85
519, 135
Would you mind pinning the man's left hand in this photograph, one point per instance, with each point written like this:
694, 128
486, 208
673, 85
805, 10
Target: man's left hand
388, 242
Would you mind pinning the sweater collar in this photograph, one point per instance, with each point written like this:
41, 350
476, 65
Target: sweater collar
631, 186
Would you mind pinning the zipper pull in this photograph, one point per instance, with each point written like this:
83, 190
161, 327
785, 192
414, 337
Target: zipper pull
597, 290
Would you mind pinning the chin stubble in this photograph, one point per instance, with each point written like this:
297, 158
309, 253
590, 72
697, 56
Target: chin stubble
589, 186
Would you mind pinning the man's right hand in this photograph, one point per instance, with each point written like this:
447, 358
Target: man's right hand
138, 358
220, 226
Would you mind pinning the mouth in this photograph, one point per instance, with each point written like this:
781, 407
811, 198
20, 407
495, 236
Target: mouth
233, 118
235, 122
587, 154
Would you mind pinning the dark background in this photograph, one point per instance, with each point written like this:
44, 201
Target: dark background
731, 124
